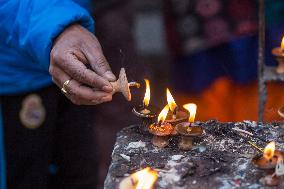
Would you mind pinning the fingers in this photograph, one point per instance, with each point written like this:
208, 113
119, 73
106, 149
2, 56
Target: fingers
83, 95
78, 71
94, 54
76, 92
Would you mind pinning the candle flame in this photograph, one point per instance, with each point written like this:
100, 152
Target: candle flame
282, 44
147, 93
162, 116
191, 108
145, 178
269, 151
171, 101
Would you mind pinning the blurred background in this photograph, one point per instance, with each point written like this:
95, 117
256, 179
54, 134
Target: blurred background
205, 51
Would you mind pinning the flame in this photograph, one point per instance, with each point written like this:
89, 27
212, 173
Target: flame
145, 178
147, 93
171, 101
282, 44
162, 116
191, 108
269, 150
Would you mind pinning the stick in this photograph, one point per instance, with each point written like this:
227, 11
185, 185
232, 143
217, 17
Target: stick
255, 146
242, 131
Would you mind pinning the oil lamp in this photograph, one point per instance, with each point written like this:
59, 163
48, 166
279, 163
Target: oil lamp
278, 52
268, 161
161, 129
176, 115
122, 85
143, 179
188, 130
146, 112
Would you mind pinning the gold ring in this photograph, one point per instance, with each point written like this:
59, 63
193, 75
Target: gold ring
65, 84
63, 90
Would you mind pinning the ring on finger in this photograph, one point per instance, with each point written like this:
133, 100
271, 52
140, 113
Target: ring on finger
65, 84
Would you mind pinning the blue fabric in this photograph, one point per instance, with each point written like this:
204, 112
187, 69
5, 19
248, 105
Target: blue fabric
28, 28
236, 59
2, 154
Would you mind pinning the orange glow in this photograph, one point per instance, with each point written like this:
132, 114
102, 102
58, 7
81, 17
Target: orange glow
162, 116
171, 101
269, 150
282, 44
145, 178
191, 108
146, 100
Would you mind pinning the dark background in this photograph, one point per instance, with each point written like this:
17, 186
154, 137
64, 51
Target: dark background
205, 51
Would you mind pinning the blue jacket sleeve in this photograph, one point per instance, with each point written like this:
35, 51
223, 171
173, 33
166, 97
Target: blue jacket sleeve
30, 26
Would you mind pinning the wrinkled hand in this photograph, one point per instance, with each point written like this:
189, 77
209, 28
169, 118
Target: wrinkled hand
73, 52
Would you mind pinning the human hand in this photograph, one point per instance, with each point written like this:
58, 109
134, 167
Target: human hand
73, 51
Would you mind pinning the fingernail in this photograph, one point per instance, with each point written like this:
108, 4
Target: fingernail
107, 88
110, 76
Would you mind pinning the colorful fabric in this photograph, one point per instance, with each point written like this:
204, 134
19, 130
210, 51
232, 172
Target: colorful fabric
202, 24
213, 38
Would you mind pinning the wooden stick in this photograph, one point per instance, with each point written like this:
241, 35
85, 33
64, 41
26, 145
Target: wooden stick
255, 146
242, 131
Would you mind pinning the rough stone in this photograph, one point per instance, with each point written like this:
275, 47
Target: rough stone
221, 158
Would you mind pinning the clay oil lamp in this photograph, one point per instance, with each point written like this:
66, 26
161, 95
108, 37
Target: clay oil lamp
175, 115
278, 53
146, 112
122, 85
188, 130
281, 112
268, 161
161, 130
143, 179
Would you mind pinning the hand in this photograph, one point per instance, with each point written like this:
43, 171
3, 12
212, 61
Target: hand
74, 50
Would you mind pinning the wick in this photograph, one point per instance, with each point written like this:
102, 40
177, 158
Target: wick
134, 84
175, 113
145, 109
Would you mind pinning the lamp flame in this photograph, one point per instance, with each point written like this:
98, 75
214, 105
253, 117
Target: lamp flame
147, 93
269, 151
282, 44
191, 108
171, 101
145, 178
162, 116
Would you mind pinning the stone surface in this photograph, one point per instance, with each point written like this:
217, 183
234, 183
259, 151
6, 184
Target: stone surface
220, 159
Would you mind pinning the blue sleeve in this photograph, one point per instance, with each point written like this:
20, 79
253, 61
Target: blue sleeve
30, 26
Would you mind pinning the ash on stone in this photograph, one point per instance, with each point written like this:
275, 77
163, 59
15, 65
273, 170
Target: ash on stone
221, 158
